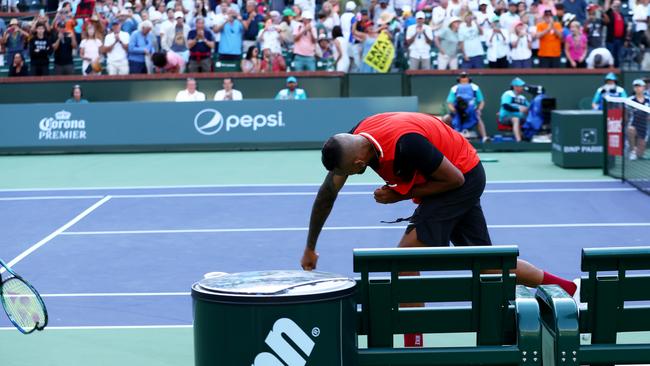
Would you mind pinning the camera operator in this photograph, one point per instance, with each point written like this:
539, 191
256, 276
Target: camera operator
610, 88
514, 107
465, 103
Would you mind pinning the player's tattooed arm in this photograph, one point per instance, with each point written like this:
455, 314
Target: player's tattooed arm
323, 206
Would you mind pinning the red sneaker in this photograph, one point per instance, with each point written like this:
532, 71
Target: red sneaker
413, 340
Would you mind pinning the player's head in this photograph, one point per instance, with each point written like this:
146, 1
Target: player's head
345, 154
639, 86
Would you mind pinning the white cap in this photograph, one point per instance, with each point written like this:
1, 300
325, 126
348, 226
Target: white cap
483, 2
178, 14
308, 15
350, 6
128, 5
420, 15
146, 24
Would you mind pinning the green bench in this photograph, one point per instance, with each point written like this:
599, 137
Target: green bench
605, 289
504, 316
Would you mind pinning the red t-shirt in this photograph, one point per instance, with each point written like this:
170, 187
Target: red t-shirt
385, 129
619, 25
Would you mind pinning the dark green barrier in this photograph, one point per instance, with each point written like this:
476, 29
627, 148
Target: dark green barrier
577, 139
125, 126
629, 77
375, 85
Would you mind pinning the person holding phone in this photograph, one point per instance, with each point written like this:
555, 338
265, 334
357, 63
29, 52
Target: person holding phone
14, 40
63, 46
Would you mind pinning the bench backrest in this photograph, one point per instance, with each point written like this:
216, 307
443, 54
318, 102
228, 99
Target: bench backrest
606, 294
491, 313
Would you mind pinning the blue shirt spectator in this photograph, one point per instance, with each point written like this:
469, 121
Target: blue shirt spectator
200, 47
610, 88
477, 96
512, 100
232, 33
129, 25
292, 92
577, 8
142, 43
252, 21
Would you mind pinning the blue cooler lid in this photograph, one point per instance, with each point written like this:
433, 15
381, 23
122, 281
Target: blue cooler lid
274, 286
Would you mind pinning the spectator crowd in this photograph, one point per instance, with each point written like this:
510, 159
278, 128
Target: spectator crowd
120, 37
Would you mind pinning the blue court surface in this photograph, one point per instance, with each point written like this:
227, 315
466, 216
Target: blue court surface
127, 257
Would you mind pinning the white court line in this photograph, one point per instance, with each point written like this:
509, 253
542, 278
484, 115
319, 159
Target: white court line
344, 228
605, 180
118, 294
57, 232
112, 327
287, 194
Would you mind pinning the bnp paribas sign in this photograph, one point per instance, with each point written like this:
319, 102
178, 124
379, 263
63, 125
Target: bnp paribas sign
211, 121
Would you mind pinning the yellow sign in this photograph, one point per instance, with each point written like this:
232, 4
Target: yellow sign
381, 54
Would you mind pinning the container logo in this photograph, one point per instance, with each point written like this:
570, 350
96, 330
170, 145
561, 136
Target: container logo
285, 353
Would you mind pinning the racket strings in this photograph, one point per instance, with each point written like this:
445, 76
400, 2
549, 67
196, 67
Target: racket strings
22, 305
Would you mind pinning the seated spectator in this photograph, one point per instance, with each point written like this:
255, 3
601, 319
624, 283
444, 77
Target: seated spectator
141, 46
200, 41
251, 63
610, 89
465, 104
325, 53
419, 38
175, 37
89, 50
637, 129
341, 48
514, 107
168, 62
497, 45
76, 96
600, 58
190, 94
228, 92
18, 66
521, 47
304, 47
40, 49
272, 62
469, 34
232, 32
65, 44
292, 92
448, 42
549, 33
575, 47
116, 45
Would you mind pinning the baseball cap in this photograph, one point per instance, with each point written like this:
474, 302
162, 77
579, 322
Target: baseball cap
128, 5
308, 15
178, 14
288, 12
452, 20
115, 22
350, 6
322, 36
463, 74
420, 15
13, 21
610, 76
292, 79
638, 82
517, 82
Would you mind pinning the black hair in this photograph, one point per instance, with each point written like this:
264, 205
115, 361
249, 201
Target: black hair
159, 59
249, 53
331, 154
598, 61
337, 32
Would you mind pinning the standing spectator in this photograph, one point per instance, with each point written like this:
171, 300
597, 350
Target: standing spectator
616, 29
251, 64
498, 46
14, 40
483, 16
141, 47
600, 58
637, 129
594, 28
610, 89
116, 45
65, 44
509, 18
514, 107
190, 94
376, 11
76, 96
469, 34
272, 62
418, 40
325, 53
270, 36
18, 66
201, 43
549, 33
640, 18
225, 6
575, 47
175, 37
228, 92
304, 47
232, 32
577, 8
341, 46
168, 62
348, 19
292, 92
448, 42
89, 50
40, 49
521, 44
331, 19
251, 21
129, 24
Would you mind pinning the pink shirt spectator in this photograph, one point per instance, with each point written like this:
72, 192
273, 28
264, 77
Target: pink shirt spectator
576, 50
543, 7
174, 62
304, 46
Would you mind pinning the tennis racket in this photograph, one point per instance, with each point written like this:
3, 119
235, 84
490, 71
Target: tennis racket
22, 303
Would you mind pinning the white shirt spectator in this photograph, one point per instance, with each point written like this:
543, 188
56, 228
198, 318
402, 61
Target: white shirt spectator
471, 39
419, 49
454, 8
215, 20
224, 95
607, 59
90, 48
508, 19
346, 24
306, 5
399, 4
640, 17
497, 46
118, 54
185, 96
439, 16
521, 51
270, 38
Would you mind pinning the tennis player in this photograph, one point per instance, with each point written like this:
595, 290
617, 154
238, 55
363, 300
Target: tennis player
420, 158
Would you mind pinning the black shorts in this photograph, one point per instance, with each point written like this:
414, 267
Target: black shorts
641, 128
455, 216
